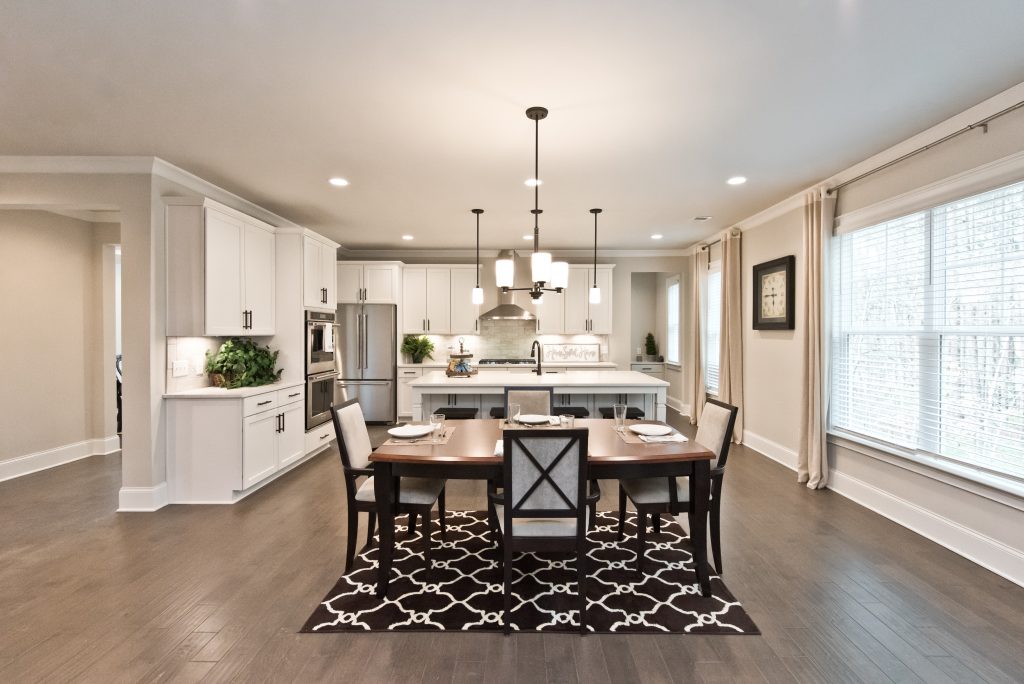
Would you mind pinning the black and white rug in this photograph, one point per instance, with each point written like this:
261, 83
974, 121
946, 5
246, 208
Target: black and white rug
463, 591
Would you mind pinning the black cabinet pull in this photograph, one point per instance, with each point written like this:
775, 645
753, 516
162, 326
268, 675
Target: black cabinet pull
294, 395
325, 436
264, 403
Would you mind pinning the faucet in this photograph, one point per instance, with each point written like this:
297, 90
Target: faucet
535, 351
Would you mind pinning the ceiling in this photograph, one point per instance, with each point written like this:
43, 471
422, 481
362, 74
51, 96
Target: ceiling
420, 105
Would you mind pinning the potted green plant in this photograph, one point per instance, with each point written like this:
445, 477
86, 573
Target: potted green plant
240, 362
650, 347
418, 347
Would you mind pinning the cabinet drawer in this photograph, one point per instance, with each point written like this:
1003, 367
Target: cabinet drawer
410, 372
319, 436
259, 403
289, 396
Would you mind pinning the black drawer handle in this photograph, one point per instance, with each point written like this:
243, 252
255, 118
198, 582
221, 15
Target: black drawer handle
325, 436
294, 395
264, 403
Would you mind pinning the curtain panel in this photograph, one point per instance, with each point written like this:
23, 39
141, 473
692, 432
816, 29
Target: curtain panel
697, 390
730, 380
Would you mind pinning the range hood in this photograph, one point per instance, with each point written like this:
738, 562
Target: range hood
506, 310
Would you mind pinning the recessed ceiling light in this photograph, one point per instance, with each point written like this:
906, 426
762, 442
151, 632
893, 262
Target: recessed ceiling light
338, 182
527, 237
407, 237
533, 182
657, 236
701, 218
737, 180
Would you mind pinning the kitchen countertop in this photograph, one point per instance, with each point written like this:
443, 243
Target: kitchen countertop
239, 393
499, 379
558, 364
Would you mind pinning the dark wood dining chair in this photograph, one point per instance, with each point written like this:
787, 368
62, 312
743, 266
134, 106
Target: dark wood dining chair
416, 495
543, 505
653, 496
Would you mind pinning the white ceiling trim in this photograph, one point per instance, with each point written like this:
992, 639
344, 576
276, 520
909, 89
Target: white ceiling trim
398, 254
100, 165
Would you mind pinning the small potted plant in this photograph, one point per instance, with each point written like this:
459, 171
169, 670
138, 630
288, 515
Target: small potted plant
240, 362
418, 347
650, 347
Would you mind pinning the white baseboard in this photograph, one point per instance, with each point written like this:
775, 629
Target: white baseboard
50, 458
989, 553
677, 405
142, 499
772, 450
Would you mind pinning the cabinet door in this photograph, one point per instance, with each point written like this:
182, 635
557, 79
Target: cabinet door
439, 300
224, 298
259, 447
328, 259
601, 314
575, 301
550, 314
414, 301
406, 376
464, 316
259, 280
381, 283
291, 444
312, 279
350, 282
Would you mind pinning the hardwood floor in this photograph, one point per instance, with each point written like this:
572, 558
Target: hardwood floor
217, 593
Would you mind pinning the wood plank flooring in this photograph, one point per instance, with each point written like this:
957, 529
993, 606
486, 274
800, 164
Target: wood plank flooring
217, 593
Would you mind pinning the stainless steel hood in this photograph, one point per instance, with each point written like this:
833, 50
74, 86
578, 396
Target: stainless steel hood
506, 310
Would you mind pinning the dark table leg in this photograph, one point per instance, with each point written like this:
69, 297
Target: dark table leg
384, 491
700, 495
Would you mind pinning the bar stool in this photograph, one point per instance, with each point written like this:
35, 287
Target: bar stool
458, 412
632, 412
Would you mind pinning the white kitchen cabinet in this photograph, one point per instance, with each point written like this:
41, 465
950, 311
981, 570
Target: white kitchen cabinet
439, 300
319, 280
581, 316
220, 270
427, 300
291, 441
405, 376
414, 301
368, 282
464, 313
259, 450
654, 369
550, 313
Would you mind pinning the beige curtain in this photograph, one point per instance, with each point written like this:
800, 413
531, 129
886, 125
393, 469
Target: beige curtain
730, 379
812, 462
697, 391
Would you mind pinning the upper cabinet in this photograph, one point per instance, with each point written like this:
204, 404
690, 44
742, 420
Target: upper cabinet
220, 270
319, 284
438, 300
465, 318
579, 316
367, 282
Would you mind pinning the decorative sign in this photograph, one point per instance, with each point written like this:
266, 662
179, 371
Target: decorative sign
572, 353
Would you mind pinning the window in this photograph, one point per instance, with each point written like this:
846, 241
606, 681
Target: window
672, 320
928, 333
712, 326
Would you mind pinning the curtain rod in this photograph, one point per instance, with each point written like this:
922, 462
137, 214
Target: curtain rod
983, 124
704, 248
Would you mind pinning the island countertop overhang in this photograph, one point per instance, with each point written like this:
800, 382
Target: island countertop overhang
496, 380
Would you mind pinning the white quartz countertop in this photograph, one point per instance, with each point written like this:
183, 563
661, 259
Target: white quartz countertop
555, 364
239, 393
499, 379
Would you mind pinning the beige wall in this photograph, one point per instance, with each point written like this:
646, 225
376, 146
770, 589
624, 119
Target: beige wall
643, 311
53, 334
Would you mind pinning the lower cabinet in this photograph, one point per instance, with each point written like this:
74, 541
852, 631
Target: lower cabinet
406, 376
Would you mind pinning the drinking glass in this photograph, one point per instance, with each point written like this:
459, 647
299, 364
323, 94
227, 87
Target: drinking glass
513, 413
437, 423
620, 416
567, 420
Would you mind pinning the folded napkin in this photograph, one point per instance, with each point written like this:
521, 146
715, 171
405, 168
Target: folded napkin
663, 438
554, 420
499, 448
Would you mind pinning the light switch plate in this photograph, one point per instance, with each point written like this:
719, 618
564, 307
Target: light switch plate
199, 367
179, 369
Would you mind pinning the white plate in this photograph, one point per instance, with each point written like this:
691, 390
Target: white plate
410, 431
650, 429
534, 419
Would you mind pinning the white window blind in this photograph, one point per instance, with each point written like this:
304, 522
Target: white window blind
928, 332
672, 321
712, 327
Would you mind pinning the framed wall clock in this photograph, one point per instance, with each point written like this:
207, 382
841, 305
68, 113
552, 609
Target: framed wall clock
775, 294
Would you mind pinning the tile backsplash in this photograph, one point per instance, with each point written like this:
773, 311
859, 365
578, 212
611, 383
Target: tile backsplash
507, 340
190, 351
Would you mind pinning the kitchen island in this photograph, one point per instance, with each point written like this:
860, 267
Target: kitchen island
590, 389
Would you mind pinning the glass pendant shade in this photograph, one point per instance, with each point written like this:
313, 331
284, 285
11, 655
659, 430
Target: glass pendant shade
539, 300
504, 272
478, 295
540, 267
595, 295
560, 274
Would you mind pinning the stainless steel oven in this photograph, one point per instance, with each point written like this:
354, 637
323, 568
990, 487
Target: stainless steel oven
319, 397
320, 336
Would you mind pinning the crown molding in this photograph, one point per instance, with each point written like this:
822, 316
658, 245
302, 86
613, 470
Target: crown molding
399, 254
52, 164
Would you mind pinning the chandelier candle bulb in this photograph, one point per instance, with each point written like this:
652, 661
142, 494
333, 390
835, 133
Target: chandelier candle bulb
540, 267
504, 272
595, 295
560, 274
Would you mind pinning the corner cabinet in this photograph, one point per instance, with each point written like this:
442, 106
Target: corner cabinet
319, 283
367, 282
220, 448
220, 270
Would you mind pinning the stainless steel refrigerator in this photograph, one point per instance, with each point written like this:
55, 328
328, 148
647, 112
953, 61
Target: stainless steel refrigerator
365, 357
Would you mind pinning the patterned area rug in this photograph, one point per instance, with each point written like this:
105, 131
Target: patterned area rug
463, 590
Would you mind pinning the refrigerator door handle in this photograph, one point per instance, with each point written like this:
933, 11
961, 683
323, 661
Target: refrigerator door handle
359, 341
366, 348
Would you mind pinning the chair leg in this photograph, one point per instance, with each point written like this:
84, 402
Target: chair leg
622, 512
350, 544
593, 507
716, 534
656, 522
440, 515
371, 526
507, 598
412, 523
581, 579
425, 529
641, 541
492, 516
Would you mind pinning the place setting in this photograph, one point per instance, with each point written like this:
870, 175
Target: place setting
434, 432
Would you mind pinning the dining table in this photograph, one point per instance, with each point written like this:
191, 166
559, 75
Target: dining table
469, 454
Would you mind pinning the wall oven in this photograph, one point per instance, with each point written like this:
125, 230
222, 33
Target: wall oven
319, 397
320, 335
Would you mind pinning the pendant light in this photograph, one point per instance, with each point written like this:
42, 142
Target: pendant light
478, 293
595, 291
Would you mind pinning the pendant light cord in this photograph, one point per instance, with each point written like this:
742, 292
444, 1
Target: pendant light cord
536, 186
595, 212
478, 212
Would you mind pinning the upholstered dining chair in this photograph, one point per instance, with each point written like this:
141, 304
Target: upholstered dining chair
416, 495
536, 400
543, 505
656, 495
